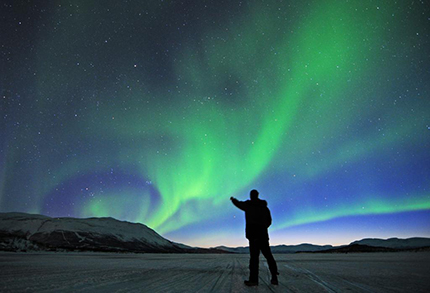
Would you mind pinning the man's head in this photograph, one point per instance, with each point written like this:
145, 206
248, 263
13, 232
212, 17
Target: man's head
253, 194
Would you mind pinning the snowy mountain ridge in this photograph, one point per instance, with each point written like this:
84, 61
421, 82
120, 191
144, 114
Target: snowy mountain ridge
99, 234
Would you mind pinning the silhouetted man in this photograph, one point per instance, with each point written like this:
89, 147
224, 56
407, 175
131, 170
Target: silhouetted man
258, 219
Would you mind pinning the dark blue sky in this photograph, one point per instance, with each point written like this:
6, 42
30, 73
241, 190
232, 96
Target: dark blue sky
158, 111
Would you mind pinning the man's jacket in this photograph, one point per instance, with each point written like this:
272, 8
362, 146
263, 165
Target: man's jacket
257, 216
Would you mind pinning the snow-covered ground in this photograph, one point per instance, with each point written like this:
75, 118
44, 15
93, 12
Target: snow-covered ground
104, 272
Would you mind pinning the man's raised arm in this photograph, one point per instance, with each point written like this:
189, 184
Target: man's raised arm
239, 204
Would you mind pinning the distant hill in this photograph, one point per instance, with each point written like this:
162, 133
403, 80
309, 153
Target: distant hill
367, 248
365, 245
395, 243
281, 248
27, 232
358, 248
300, 247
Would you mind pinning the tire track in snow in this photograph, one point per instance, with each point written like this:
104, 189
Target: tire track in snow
313, 277
238, 276
276, 288
221, 280
362, 287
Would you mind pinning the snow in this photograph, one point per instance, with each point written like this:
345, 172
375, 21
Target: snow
21, 222
126, 231
110, 272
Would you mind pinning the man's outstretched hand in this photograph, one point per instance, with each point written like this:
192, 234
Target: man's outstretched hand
239, 204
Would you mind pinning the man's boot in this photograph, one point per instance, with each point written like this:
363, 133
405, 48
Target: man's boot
274, 280
253, 276
251, 283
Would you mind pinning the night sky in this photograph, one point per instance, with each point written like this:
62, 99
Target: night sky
158, 111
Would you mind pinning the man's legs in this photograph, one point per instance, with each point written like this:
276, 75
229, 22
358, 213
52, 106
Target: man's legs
265, 249
254, 251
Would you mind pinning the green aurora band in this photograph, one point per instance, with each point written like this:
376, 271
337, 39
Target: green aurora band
220, 152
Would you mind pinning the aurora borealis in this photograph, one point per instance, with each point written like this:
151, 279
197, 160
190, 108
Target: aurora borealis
158, 111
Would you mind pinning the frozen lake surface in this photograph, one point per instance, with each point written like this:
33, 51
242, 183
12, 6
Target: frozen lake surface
103, 272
